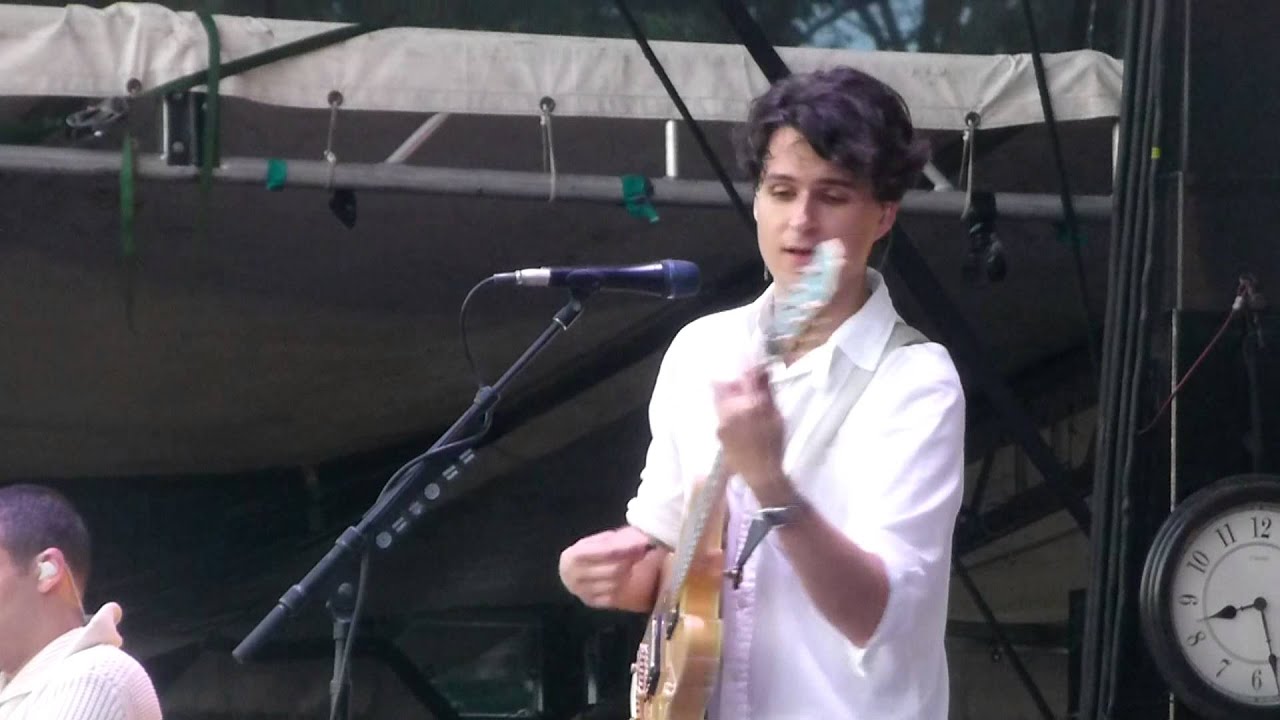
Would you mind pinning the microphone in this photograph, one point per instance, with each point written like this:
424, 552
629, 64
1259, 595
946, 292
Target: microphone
666, 278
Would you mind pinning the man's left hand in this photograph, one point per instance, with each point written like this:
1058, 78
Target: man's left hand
751, 434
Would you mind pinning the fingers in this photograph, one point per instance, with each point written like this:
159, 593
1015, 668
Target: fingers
753, 385
724, 391
599, 594
597, 568
611, 573
613, 547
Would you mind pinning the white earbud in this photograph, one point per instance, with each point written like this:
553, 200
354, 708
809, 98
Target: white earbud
46, 570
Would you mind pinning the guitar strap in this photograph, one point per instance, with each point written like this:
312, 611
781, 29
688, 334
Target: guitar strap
825, 432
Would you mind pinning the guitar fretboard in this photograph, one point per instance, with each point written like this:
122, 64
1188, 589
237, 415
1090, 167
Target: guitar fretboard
790, 315
692, 531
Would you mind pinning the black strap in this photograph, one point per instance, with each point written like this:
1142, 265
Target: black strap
694, 127
752, 36
756, 533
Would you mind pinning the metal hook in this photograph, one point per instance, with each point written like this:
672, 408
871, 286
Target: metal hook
972, 121
547, 106
95, 118
335, 102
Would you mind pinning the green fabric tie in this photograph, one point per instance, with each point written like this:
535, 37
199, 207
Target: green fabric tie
1066, 237
637, 195
209, 141
277, 173
128, 242
209, 157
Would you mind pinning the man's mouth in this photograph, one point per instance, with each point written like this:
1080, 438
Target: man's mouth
800, 253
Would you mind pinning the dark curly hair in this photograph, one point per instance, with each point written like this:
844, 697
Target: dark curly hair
850, 118
33, 518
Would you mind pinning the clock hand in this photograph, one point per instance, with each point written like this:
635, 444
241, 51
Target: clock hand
1226, 613
1261, 605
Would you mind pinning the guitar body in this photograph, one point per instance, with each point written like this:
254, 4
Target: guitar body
678, 661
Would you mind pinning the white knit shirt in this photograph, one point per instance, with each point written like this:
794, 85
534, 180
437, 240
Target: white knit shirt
81, 675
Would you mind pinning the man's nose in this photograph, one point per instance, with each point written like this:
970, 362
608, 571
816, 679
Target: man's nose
802, 213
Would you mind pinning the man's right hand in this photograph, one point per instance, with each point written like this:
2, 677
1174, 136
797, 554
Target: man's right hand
614, 569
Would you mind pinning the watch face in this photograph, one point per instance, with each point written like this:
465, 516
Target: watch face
1224, 601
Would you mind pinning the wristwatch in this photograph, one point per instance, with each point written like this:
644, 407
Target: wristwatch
780, 515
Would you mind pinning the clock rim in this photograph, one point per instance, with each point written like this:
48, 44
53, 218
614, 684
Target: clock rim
1155, 607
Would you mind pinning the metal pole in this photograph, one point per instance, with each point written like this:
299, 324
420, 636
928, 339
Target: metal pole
496, 183
673, 149
419, 136
1003, 641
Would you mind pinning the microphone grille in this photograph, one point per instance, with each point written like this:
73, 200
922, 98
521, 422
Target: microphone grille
683, 278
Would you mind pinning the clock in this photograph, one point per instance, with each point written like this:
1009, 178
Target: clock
1210, 599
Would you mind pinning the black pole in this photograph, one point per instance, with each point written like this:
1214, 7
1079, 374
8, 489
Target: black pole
998, 631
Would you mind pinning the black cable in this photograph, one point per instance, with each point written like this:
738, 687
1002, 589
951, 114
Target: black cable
465, 442
1252, 347
1123, 385
462, 328
480, 386
1136, 341
743, 211
1098, 667
753, 38
398, 476
344, 667
1064, 187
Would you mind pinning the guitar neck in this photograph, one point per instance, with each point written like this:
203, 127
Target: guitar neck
707, 497
790, 315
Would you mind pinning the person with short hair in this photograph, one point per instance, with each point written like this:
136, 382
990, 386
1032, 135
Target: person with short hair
841, 610
56, 664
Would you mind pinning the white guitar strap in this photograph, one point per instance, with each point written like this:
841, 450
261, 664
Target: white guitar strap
825, 432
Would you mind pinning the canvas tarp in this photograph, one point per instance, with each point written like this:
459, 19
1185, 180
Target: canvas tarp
83, 52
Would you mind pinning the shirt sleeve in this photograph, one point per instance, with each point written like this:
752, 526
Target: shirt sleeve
658, 506
906, 493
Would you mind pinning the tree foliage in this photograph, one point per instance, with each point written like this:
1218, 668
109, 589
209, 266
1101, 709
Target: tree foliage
950, 26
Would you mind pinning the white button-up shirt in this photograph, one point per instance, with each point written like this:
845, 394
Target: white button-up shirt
891, 480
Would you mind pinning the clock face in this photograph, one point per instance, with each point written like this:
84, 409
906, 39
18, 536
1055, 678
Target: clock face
1224, 602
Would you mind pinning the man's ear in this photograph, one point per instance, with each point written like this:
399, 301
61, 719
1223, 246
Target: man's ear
888, 216
50, 567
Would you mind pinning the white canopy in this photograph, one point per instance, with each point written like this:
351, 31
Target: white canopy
496, 216
426, 70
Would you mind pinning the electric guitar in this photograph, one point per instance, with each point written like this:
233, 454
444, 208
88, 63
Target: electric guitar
678, 660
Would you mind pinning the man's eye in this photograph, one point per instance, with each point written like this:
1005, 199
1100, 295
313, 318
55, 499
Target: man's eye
781, 192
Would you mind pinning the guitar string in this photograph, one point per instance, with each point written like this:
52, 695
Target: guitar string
717, 478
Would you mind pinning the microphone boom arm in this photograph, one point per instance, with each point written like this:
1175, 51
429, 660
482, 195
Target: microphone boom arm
394, 512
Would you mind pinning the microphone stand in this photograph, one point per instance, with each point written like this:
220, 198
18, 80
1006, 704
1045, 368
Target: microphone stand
394, 512
342, 608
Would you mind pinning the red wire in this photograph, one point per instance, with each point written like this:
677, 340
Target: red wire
1236, 306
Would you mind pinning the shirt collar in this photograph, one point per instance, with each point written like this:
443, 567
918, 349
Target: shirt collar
100, 630
861, 338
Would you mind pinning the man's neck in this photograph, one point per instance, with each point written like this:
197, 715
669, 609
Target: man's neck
43, 632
